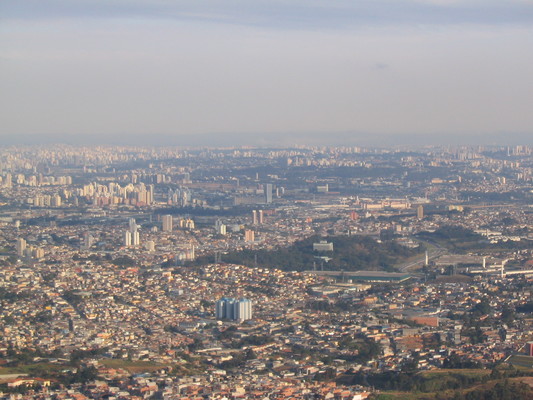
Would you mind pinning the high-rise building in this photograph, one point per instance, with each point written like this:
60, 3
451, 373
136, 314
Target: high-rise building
191, 254
167, 223
249, 236
135, 238
127, 238
257, 217
235, 310
9, 182
150, 197
88, 240
243, 310
20, 245
254, 217
133, 224
224, 308
56, 201
420, 212
220, 227
37, 253
268, 193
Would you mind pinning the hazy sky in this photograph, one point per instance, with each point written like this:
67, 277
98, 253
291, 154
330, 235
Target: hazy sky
376, 68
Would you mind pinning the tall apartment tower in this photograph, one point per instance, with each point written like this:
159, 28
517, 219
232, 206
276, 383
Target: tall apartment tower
167, 223
9, 181
235, 310
132, 224
88, 240
254, 217
132, 235
420, 212
268, 193
257, 217
127, 238
224, 308
150, 198
220, 228
135, 238
243, 310
249, 236
20, 245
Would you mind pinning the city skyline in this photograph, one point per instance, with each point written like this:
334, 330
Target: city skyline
304, 272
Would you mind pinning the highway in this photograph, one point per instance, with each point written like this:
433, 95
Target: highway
435, 251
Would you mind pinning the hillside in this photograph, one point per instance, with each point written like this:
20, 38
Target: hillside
351, 253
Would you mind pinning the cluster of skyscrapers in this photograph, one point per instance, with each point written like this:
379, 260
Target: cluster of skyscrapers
23, 250
220, 228
113, 193
234, 309
168, 221
181, 196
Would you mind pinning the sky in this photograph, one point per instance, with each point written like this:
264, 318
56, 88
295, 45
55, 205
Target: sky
266, 71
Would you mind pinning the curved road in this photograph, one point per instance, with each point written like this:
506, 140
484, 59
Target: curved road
436, 251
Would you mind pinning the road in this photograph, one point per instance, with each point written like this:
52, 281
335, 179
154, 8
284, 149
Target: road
435, 251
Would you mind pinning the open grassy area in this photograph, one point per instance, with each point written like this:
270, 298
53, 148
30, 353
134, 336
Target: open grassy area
438, 373
133, 367
521, 361
403, 396
32, 369
442, 383
450, 393
46, 369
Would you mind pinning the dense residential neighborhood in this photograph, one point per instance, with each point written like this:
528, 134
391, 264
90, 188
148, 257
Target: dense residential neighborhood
364, 272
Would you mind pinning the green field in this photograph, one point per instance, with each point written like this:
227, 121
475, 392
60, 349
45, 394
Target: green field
401, 395
448, 394
133, 367
433, 384
37, 369
521, 361
40, 369
471, 373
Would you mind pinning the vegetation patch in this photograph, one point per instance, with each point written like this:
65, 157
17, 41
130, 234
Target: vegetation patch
351, 253
133, 367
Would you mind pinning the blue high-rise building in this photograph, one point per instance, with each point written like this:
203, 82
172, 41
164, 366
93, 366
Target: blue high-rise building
235, 310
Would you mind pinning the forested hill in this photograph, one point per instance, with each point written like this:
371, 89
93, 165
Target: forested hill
351, 253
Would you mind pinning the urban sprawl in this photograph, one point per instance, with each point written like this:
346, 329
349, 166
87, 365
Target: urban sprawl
255, 273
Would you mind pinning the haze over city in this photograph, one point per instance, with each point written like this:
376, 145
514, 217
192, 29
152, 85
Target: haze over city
203, 72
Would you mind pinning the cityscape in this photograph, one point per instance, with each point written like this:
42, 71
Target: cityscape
303, 272
266, 200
